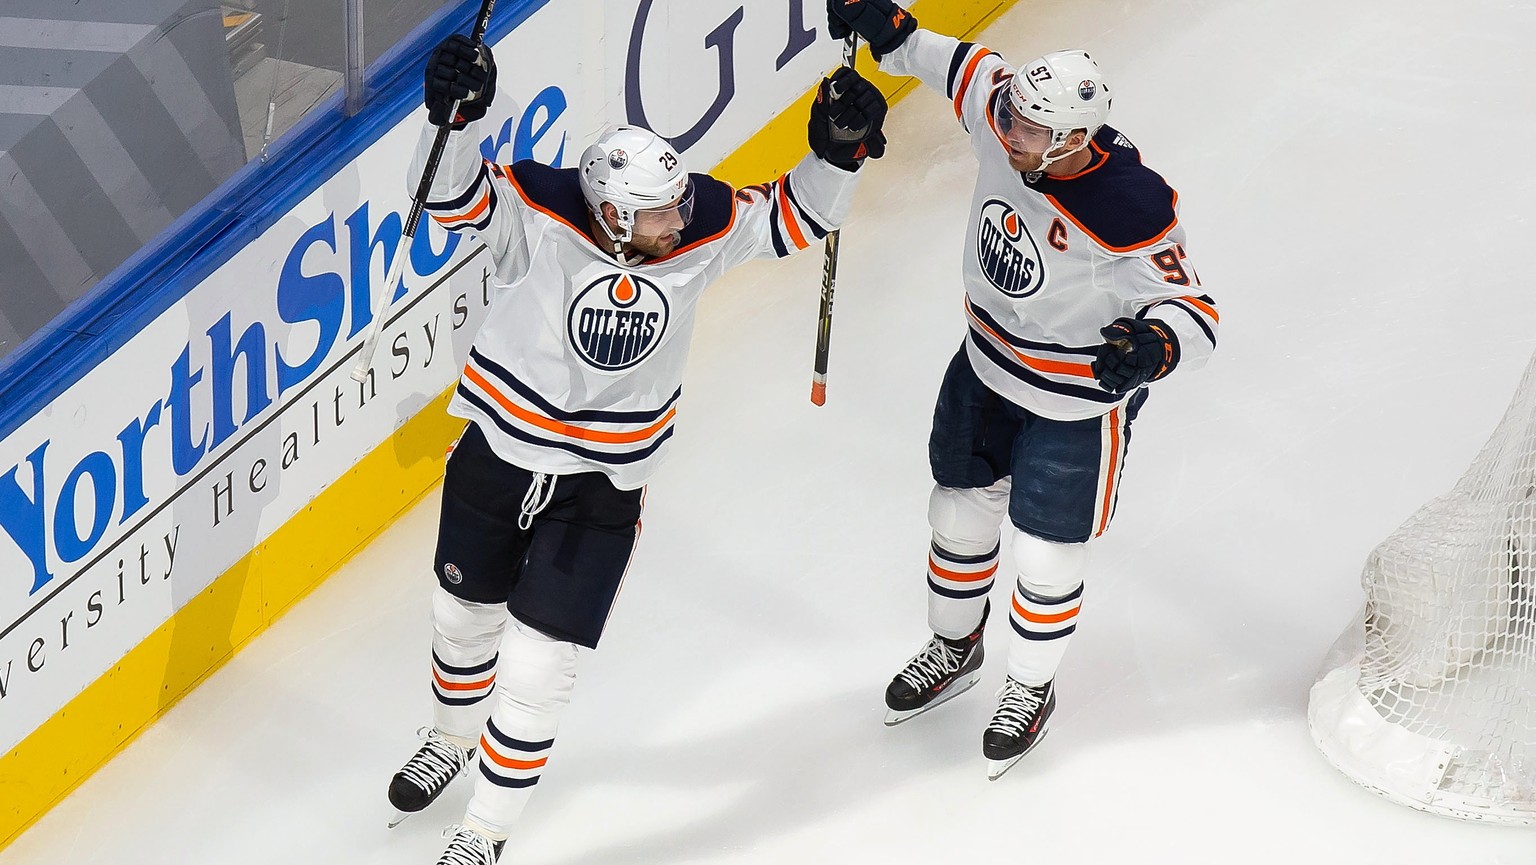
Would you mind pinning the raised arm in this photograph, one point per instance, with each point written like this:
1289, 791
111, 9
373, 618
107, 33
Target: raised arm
467, 193
963, 71
790, 213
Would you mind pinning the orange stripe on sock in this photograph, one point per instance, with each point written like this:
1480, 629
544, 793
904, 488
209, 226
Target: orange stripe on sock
463, 686
507, 762
959, 577
1043, 618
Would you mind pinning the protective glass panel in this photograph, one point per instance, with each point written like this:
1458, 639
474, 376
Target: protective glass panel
286, 57
118, 117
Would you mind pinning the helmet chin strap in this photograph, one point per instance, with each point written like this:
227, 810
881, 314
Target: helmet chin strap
618, 239
1058, 139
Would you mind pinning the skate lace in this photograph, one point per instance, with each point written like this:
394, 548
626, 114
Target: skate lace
437, 761
1016, 708
933, 663
467, 847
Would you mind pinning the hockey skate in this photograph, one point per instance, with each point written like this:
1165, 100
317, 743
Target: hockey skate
1020, 722
467, 846
944, 669
422, 779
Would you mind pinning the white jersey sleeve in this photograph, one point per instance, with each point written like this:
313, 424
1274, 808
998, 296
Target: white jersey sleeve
470, 194
1167, 288
966, 73
781, 218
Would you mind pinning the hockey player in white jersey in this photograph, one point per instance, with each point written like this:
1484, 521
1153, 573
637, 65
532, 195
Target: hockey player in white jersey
1078, 293
571, 393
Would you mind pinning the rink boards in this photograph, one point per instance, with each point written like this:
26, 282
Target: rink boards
183, 455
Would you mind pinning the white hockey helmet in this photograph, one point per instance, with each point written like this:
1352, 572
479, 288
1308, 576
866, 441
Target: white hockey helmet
637, 172
1062, 91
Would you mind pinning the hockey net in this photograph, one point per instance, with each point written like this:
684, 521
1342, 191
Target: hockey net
1430, 697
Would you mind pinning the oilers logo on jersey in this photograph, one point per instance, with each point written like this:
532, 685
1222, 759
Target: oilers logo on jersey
617, 321
1007, 253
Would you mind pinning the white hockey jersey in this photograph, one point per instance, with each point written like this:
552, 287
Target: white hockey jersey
578, 366
1048, 263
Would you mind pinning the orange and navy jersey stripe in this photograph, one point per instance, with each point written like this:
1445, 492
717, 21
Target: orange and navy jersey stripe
1059, 369
793, 226
508, 761
472, 208
602, 436
963, 69
1200, 309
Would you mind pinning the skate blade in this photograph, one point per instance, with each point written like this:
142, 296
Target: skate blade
894, 716
399, 817
996, 768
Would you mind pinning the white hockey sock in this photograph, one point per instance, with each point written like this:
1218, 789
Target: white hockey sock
1042, 626
963, 560
538, 673
1046, 601
958, 584
464, 643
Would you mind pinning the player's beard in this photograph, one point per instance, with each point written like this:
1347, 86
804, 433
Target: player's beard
656, 246
1024, 162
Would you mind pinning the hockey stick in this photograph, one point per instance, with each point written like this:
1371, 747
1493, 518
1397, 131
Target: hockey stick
423, 189
829, 274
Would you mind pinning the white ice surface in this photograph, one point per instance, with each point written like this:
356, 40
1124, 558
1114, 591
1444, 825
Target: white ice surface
1355, 183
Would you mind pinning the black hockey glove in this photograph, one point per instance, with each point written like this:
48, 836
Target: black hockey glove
1136, 351
846, 120
458, 69
883, 24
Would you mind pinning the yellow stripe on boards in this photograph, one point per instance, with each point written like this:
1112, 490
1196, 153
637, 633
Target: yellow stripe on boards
207, 631
244, 601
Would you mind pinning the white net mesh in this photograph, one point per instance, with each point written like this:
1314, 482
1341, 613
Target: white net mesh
1437, 709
